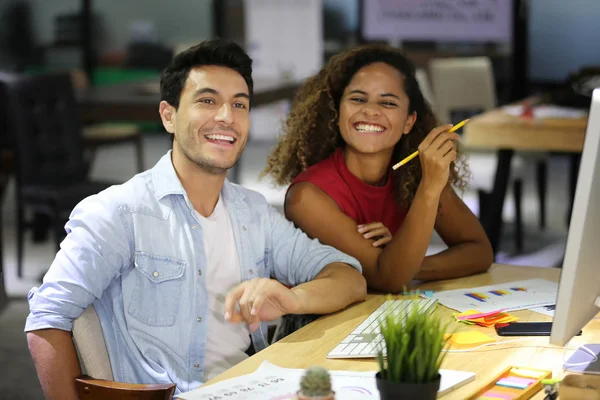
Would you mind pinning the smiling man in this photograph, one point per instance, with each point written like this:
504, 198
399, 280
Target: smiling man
183, 267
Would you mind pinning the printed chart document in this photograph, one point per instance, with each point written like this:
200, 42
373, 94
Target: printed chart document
270, 382
511, 296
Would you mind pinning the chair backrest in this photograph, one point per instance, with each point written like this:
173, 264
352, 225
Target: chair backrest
6, 139
98, 389
425, 86
90, 346
97, 383
461, 84
44, 121
152, 56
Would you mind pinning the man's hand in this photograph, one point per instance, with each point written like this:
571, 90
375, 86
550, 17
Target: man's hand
259, 300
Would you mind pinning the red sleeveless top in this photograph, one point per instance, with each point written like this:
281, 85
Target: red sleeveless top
360, 201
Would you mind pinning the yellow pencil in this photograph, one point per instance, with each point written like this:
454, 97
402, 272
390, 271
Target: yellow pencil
416, 153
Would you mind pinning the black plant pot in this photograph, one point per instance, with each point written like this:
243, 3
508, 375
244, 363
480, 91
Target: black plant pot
406, 391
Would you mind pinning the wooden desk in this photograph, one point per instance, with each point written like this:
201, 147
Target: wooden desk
497, 130
310, 345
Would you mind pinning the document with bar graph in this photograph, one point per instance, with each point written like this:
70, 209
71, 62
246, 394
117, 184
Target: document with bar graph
511, 296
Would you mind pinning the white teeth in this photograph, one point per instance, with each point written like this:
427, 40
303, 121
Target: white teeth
369, 128
221, 137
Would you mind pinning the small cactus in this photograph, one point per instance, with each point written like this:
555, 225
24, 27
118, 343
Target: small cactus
316, 382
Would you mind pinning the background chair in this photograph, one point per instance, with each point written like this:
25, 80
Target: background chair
106, 134
97, 381
464, 87
6, 169
51, 174
425, 86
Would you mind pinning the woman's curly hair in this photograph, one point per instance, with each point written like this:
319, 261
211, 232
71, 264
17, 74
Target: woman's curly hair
311, 133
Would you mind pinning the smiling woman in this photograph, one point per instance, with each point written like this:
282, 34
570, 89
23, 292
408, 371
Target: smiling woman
349, 124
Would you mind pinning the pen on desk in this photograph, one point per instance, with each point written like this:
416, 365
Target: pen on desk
416, 153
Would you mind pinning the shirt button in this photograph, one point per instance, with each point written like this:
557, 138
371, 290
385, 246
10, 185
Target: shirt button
199, 319
155, 274
194, 226
251, 272
243, 228
199, 272
196, 365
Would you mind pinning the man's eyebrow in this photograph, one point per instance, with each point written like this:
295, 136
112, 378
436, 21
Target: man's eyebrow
242, 94
216, 92
206, 90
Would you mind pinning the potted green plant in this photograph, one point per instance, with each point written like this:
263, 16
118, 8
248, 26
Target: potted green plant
315, 384
409, 369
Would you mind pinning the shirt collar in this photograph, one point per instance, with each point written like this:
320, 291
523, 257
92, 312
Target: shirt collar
166, 182
165, 178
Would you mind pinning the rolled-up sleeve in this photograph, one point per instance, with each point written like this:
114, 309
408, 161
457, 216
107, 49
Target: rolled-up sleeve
92, 255
296, 257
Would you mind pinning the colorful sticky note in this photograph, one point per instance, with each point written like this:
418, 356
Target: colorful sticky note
470, 338
507, 382
492, 395
470, 314
527, 381
529, 373
484, 319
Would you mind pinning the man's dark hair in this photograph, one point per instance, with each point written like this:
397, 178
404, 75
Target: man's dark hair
219, 52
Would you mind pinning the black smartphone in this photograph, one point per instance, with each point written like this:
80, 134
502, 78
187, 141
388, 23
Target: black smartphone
525, 329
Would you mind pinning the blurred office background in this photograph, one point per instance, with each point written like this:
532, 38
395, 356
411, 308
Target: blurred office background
111, 53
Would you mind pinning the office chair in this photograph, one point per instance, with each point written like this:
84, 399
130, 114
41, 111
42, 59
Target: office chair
467, 85
97, 135
97, 379
51, 174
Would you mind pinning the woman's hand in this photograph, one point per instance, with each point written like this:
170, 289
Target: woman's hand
436, 153
376, 230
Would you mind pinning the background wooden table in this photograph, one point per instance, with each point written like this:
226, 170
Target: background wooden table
310, 345
138, 101
497, 130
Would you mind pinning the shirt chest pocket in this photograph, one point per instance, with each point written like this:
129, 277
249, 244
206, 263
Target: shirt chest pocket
157, 293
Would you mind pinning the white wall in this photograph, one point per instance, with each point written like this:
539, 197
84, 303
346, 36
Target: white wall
563, 36
176, 21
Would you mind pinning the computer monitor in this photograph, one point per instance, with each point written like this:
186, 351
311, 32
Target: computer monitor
577, 302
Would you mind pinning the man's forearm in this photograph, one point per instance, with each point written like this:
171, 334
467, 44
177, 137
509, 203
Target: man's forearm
56, 362
335, 287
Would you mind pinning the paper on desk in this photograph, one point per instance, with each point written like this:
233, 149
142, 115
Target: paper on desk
271, 382
546, 310
547, 111
511, 296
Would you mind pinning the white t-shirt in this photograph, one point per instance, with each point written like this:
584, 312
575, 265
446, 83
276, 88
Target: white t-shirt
226, 343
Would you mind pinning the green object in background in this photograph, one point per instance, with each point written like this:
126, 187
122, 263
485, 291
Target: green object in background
111, 76
107, 76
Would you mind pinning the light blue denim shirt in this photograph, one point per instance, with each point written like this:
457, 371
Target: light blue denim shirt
135, 251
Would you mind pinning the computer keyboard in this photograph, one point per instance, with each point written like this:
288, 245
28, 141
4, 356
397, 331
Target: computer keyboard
365, 341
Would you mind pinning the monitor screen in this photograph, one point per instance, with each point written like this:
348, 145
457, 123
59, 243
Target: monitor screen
437, 20
579, 288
